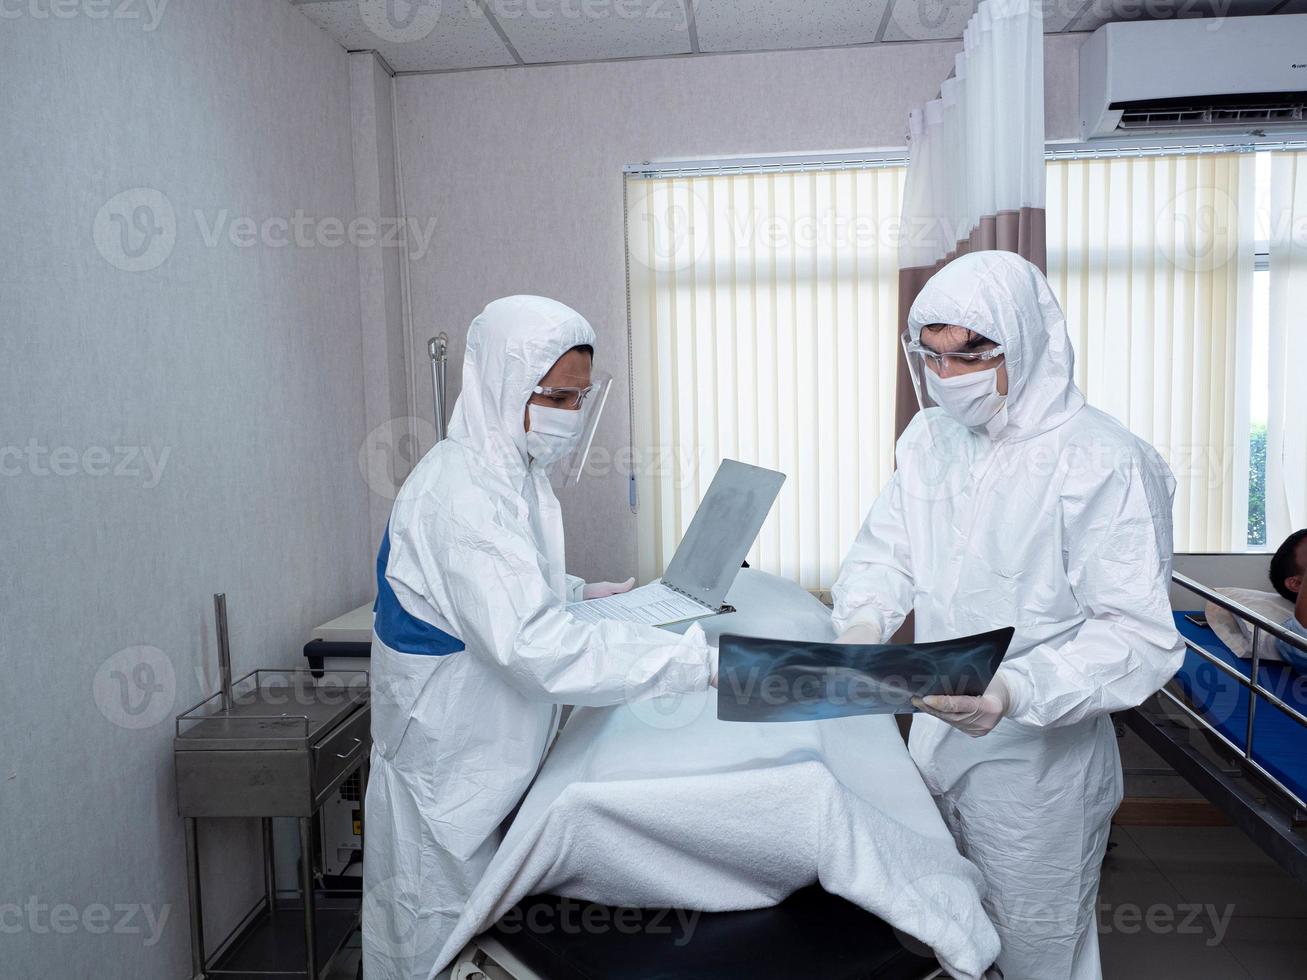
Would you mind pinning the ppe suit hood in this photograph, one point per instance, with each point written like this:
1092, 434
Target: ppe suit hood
510, 347
1005, 298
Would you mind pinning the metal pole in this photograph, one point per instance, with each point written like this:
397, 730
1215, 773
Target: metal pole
306, 885
193, 896
269, 867
224, 647
1252, 694
438, 350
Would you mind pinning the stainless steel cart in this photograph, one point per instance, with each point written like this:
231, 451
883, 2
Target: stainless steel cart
276, 743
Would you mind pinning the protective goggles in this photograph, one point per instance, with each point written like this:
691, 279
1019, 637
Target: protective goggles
565, 397
962, 359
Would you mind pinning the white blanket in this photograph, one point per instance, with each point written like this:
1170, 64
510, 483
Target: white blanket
661, 805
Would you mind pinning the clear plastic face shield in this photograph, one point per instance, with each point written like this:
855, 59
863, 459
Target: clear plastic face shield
949, 352
588, 403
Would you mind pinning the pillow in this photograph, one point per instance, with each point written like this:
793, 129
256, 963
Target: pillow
1237, 633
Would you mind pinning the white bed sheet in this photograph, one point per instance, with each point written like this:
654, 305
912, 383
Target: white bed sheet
658, 804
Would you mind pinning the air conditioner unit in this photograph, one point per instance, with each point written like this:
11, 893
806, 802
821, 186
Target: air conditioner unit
1232, 74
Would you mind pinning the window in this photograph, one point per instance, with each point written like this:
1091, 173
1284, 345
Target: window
1151, 258
764, 327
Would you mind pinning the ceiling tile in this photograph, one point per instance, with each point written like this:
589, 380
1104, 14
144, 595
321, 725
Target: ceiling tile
758, 25
1100, 12
928, 20
591, 30
413, 35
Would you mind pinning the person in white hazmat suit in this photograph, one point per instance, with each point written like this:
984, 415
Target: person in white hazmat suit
1016, 504
473, 649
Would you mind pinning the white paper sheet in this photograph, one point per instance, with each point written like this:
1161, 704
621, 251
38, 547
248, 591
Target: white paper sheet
653, 605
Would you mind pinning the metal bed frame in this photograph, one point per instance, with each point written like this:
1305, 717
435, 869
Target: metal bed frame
1258, 803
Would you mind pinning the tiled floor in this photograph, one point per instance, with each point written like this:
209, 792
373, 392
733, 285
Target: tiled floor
1198, 903
1219, 908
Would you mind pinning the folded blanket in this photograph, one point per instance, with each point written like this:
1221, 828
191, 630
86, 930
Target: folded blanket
662, 805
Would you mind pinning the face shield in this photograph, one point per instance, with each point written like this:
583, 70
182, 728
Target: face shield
580, 409
946, 369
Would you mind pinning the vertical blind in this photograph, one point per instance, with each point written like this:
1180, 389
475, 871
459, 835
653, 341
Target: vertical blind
1152, 259
764, 326
1286, 410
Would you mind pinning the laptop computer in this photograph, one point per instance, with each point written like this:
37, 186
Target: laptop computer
705, 564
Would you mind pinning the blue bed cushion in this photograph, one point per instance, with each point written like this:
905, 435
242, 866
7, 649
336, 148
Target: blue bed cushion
1279, 742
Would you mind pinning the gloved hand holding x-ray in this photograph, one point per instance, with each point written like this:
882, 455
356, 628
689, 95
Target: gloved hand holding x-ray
785, 680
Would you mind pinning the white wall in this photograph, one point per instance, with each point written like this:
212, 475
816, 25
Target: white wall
244, 365
523, 170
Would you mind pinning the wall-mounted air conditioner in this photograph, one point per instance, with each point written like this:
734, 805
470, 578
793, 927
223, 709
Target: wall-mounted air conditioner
1230, 74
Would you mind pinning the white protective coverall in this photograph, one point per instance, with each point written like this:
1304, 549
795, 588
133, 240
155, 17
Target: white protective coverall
1057, 523
472, 647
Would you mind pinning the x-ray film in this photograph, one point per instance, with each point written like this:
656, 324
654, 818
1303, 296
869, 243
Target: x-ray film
788, 680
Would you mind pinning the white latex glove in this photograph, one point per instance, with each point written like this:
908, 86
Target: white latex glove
601, 590
863, 633
975, 716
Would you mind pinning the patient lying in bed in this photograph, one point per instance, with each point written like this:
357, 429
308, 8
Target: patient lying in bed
1287, 575
658, 804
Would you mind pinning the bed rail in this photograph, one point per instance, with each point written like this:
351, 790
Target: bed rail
1256, 690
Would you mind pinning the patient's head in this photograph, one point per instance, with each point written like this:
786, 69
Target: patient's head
1288, 564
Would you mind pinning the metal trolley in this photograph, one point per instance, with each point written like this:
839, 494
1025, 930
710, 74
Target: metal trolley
276, 743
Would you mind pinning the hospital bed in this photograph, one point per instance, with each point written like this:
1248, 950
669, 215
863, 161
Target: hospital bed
810, 934
1236, 729
585, 796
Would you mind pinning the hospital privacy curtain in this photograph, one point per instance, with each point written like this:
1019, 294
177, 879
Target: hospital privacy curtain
1152, 259
1286, 410
764, 328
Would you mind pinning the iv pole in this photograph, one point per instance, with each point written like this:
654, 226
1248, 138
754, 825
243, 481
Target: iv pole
438, 349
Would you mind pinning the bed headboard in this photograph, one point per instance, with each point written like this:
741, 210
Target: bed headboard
1243, 571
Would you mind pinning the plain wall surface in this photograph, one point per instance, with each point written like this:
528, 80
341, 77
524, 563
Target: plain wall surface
523, 170
238, 368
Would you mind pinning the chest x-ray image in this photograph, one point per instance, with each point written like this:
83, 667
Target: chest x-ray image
788, 680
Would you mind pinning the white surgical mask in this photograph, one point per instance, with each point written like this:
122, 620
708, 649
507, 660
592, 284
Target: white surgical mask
554, 432
972, 399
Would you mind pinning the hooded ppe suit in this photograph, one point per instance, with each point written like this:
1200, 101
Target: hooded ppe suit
1055, 520
472, 647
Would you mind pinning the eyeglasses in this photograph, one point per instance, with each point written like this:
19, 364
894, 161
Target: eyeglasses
566, 396
953, 359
